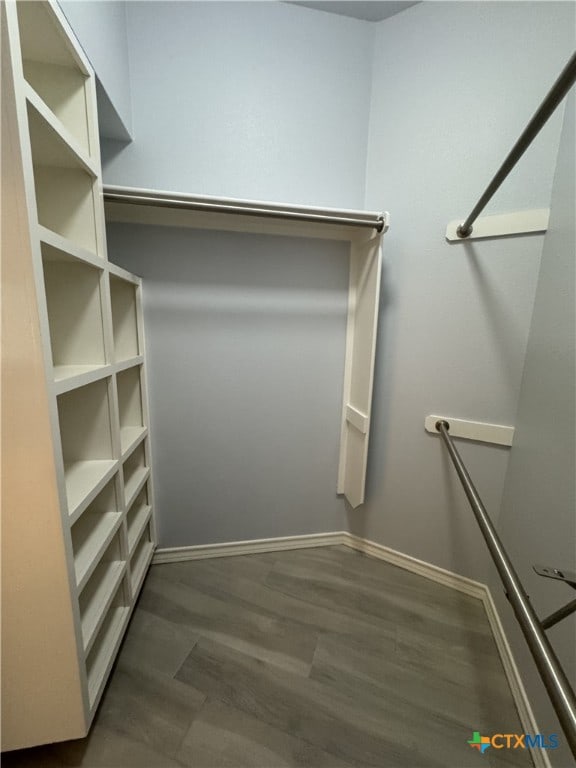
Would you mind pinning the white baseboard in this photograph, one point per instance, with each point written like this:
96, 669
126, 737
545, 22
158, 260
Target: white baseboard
252, 547
440, 575
412, 564
525, 713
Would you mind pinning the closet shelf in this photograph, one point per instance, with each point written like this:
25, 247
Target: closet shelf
104, 651
131, 362
69, 377
61, 248
139, 563
137, 525
146, 206
84, 480
134, 484
49, 148
99, 529
67, 140
130, 438
108, 577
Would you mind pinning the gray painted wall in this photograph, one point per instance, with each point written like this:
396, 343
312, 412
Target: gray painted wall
245, 341
101, 29
454, 321
538, 517
247, 99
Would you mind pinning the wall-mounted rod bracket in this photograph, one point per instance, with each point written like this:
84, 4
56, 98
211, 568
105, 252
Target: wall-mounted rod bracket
555, 573
530, 222
497, 434
568, 577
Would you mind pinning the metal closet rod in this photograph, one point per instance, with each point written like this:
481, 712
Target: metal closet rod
553, 676
376, 221
555, 95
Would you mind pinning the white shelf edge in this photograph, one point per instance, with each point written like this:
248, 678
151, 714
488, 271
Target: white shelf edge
123, 274
110, 533
137, 576
81, 379
116, 575
96, 686
496, 434
130, 362
36, 101
68, 247
132, 489
94, 490
502, 225
134, 441
142, 521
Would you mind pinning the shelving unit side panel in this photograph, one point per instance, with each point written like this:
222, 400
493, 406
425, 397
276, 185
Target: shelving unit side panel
46, 700
145, 407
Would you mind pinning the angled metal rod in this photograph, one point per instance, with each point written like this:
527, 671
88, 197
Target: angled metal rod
560, 88
558, 615
553, 676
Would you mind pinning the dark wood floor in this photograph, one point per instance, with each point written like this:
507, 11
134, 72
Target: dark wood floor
319, 657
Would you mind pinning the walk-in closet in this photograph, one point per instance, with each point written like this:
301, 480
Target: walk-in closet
288, 383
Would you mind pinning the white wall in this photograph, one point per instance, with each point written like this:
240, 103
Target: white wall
100, 26
245, 338
247, 99
453, 87
538, 517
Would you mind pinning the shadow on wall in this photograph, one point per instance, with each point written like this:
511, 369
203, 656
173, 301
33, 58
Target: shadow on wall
501, 324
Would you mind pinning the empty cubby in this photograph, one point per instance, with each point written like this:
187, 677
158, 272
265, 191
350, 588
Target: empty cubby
135, 473
99, 591
74, 302
65, 190
124, 318
130, 407
93, 531
86, 434
53, 70
137, 516
101, 655
140, 557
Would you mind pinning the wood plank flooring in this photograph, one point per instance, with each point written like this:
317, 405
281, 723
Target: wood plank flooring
319, 657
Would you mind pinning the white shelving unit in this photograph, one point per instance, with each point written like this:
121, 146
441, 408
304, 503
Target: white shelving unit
81, 334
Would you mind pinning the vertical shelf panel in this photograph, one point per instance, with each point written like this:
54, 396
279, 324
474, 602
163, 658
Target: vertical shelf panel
74, 302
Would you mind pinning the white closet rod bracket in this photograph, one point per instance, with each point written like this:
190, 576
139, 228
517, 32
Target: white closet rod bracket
497, 434
502, 225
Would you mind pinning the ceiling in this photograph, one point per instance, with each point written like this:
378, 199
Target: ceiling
370, 10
